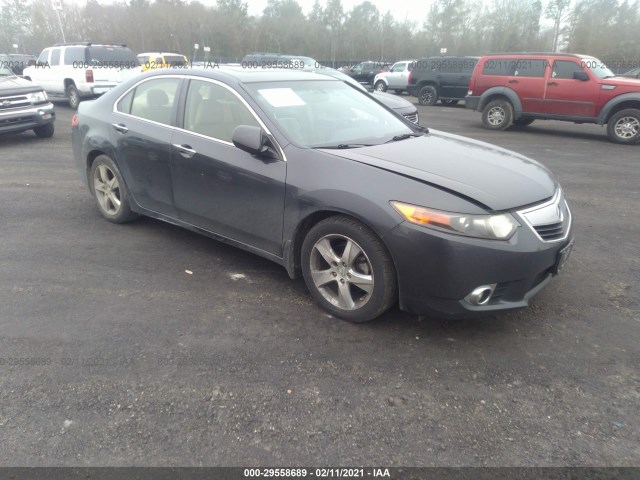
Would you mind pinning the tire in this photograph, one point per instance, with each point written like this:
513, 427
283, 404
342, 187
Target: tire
380, 86
109, 190
523, 122
73, 96
330, 277
624, 126
428, 95
449, 102
497, 115
44, 131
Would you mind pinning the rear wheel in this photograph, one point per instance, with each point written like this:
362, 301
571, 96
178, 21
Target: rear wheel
44, 131
109, 190
348, 270
624, 126
74, 96
497, 115
380, 86
428, 95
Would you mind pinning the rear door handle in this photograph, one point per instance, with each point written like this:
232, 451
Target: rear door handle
513, 81
185, 150
552, 83
120, 127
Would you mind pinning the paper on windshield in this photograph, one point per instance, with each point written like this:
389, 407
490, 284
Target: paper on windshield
281, 97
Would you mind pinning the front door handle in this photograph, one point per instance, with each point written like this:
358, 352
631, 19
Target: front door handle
120, 127
185, 150
552, 83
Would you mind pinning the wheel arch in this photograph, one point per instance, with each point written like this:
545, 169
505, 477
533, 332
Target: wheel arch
626, 100
292, 254
501, 93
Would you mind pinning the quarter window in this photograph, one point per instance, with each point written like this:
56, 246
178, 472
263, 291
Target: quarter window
529, 68
153, 100
565, 69
214, 111
499, 66
55, 57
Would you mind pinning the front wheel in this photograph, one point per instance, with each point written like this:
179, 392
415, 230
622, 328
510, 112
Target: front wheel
428, 95
380, 86
44, 131
110, 192
497, 115
624, 127
348, 270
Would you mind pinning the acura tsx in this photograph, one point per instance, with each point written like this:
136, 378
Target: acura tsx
320, 177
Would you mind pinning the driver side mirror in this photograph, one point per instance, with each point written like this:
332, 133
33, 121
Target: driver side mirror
580, 76
252, 140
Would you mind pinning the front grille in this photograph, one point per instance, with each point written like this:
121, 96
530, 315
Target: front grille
553, 231
9, 103
551, 220
412, 118
15, 121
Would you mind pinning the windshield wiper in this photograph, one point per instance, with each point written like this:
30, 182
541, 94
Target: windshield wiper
404, 136
348, 145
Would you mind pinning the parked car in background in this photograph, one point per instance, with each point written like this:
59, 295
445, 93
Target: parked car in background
16, 62
74, 71
316, 176
365, 72
397, 78
24, 106
517, 89
441, 78
153, 60
635, 73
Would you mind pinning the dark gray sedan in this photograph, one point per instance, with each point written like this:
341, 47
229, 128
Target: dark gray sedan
321, 178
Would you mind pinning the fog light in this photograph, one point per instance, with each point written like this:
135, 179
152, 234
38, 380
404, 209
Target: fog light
480, 295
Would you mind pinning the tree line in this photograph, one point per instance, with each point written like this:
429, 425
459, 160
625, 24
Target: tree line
608, 29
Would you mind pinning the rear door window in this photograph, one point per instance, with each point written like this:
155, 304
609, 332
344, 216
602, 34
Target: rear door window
154, 99
529, 68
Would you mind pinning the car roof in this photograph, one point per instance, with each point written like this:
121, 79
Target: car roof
246, 75
160, 53
539, 54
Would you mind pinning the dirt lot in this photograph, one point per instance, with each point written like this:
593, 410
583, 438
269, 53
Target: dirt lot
140, 363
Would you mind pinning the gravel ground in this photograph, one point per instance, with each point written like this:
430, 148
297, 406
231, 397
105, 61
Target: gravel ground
140, 363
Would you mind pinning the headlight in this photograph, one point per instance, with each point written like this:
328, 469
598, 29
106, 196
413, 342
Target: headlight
38, 97
495, 227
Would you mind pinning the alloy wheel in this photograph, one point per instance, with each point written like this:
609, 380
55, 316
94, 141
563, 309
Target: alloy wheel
107, 188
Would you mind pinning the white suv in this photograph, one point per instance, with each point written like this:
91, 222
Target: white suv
82, 70
396, 78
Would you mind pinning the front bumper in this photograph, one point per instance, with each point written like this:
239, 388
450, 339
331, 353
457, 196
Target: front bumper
437, 270
472, 102
21, 119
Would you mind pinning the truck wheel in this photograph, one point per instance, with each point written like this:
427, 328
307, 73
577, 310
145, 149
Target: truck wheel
497, 115
74, 96
428, 95
624, 126
380, 86
44, 131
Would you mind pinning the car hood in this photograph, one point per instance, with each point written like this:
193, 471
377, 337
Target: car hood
622, 81
392, 101
17, 86
497, 178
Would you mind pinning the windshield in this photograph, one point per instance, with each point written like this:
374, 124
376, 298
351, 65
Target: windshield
327, 113
597, 67
5, 72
